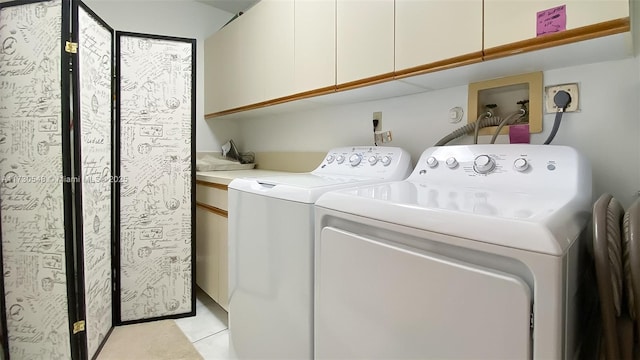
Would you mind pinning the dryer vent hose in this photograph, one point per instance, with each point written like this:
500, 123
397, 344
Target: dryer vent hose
484, 122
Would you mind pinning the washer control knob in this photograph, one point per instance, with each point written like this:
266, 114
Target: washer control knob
432, 162
386, 160
521, 164
340, 159
484, 164
373, 160
355, 159
330, 159
452, 163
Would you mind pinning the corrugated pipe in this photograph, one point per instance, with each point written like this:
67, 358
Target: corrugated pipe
483, 121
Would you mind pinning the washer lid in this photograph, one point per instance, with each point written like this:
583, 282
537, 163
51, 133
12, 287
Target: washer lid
546, 223
304, 187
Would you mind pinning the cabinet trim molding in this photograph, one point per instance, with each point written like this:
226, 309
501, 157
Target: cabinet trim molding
462, 60
213, 185
560, 38
298, 96
212, 209
365, 82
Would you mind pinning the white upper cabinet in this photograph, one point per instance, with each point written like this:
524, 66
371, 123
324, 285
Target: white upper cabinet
509, 21
315, 45
280, 49
220, 52
212, 61
427, 31
247, 85
274, 26
251, 59
364, 39
265, 59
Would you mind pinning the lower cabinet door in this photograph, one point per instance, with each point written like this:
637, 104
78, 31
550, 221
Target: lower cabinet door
223, 256
206, 253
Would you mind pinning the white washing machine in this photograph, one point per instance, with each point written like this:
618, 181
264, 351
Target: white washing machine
271, 238
477, 255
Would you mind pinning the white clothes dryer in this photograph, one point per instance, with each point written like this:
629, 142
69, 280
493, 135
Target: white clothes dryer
271, 238
477, 255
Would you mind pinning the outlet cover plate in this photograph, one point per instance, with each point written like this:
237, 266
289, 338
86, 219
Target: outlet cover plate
550, 92
382, 137
386, 136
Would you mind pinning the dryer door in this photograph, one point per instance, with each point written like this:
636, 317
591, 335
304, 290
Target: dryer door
378, 300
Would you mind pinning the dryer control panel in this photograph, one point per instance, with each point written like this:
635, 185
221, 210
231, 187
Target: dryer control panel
392, 163
504, 166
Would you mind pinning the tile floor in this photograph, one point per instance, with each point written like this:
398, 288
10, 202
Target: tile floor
209, 329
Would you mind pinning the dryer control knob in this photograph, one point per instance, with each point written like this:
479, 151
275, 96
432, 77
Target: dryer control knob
452, 163
432, 162
340, 159
521, 164
373, 160
484, 164
386, 160
355, 159
330, 159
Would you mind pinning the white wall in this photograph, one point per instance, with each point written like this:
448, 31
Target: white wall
606, 129
181, 18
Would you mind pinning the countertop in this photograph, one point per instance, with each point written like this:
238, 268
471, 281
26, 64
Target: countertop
225, 177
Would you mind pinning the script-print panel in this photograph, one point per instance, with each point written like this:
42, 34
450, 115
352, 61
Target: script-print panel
95, 68
31, 191
155, 168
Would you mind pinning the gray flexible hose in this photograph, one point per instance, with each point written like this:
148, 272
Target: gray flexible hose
506, 121
486, 115
490, 121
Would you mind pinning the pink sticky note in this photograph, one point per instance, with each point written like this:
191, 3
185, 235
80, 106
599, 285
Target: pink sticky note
551, 20
519, 134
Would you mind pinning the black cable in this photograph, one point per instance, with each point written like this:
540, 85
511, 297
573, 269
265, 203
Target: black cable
554, 130
562, 99
375, 125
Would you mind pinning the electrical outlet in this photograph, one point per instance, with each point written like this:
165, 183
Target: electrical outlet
550, 92
386, 136
383, 137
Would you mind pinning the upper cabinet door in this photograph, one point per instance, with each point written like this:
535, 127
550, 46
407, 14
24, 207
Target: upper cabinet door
220, 68
509, 21
251, 59
364, 39
274, 28
232, 77
315, 44
436, 30
248, 65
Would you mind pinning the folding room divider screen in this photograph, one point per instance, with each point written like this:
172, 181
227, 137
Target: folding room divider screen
95, 212
155, 178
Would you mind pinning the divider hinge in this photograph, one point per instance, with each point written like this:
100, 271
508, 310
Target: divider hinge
531, 320
78, 326
71, 47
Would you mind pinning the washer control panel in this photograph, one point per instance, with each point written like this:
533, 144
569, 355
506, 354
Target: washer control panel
374, 161
501, 165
